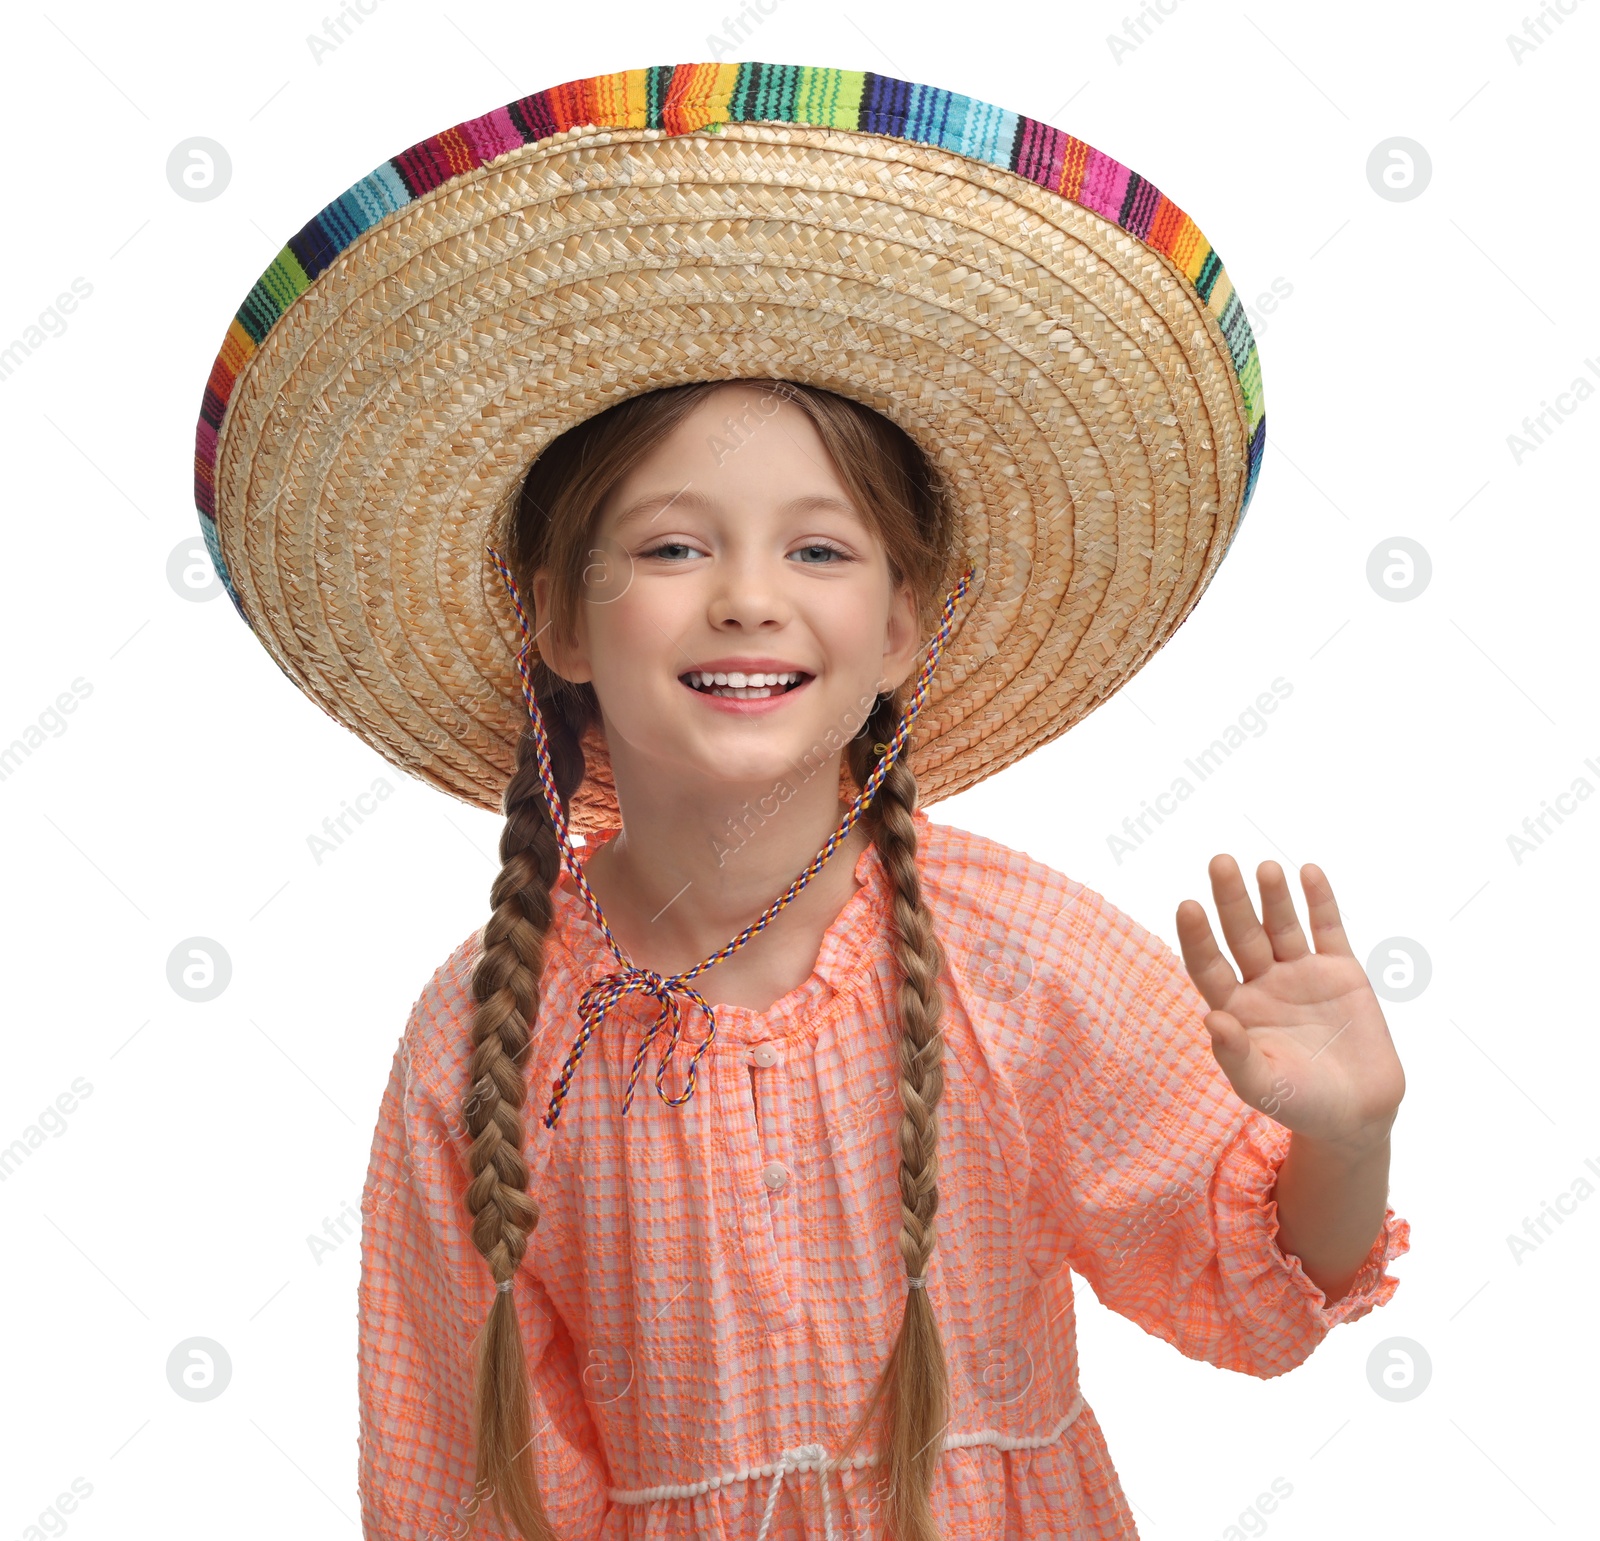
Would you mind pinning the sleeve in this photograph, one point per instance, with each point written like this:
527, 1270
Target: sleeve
425, 1294
1151, 1177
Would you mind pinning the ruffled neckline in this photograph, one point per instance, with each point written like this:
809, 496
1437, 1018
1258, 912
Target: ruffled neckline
850, 937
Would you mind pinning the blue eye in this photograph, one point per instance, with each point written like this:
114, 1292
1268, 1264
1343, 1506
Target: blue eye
667, 546
827, 551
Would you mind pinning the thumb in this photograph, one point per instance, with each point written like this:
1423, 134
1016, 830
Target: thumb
1230, 1044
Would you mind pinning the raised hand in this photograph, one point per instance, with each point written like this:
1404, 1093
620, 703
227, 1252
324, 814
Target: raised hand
1301, 1036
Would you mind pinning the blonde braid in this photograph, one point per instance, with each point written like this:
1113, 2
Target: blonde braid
505, 988
913, 1390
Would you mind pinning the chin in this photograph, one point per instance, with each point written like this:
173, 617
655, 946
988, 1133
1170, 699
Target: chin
768, 739
794, 762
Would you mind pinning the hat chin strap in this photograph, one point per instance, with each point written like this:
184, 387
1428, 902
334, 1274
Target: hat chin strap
629, 979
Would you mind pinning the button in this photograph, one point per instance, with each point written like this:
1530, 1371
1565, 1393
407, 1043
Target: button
764, 1054
775, 1175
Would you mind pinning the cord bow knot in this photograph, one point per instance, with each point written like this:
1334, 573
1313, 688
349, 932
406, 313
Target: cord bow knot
605, 992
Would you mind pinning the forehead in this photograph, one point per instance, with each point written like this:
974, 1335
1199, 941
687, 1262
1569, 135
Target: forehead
741, 448
657, 507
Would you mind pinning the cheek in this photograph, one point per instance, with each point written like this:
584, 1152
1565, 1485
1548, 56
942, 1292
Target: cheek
855, 639
635, 633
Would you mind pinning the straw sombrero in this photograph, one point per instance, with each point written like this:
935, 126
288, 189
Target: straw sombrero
1054, 331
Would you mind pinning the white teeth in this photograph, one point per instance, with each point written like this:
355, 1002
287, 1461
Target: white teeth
751, 686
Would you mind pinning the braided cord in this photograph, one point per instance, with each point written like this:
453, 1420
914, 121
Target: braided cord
630, 979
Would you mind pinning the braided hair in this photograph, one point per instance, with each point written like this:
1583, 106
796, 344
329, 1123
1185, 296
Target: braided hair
505, 992
912, 1393
904, 499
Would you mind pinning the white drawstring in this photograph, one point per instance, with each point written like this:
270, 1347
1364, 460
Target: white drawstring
799, 1459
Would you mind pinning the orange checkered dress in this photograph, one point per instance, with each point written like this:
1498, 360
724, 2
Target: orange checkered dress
713, 1288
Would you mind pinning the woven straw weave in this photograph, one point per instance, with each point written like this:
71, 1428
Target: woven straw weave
1092, 395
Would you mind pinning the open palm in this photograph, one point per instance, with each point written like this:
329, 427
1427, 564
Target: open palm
1301, 1035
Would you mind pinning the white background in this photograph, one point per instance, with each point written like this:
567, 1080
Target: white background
176, 1200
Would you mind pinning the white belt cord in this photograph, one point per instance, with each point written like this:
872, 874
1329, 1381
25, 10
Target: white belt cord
799, 1458
805, 1457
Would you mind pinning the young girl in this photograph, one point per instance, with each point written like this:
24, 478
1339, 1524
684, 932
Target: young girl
809, 1273
711, 1279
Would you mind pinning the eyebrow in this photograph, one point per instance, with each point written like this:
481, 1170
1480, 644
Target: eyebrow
657, 503
660, 502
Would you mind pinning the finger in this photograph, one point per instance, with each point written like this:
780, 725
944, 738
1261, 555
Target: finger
1278, 918
1237, 1056
1208, 967
1326, 927
1251, 945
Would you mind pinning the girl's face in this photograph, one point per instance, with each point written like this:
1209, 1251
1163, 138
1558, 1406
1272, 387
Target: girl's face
740, 615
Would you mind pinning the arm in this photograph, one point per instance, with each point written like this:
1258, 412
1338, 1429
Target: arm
425, 1294
1151, 1177
1331, 1203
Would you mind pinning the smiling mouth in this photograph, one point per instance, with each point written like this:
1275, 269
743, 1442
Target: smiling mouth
744, 687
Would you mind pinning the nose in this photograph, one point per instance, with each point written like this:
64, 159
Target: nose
747, 595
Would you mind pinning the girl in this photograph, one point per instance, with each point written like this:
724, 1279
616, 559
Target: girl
663, 553
899, 1097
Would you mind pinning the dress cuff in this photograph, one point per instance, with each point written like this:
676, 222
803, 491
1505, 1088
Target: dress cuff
1248, 1230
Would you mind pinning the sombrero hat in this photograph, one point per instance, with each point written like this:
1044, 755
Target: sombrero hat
1054, 331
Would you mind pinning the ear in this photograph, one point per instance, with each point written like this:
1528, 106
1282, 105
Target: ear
902, 646
567, 657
